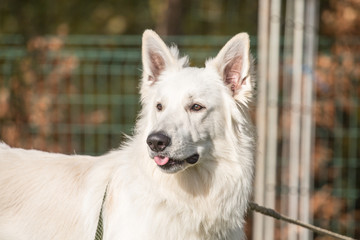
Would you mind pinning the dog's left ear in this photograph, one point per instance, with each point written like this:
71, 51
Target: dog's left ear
233, 65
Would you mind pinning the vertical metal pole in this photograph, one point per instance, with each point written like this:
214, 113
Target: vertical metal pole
307, 126
272, 124
262, 71
287, 78
296, 116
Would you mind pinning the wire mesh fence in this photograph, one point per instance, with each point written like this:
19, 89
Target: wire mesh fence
78, 94
336, 154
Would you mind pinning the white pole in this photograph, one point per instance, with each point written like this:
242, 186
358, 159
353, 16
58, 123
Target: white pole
271, 151
287, 78
261, 115
307, 126
295, 116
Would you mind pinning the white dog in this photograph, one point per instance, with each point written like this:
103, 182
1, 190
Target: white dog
186, 173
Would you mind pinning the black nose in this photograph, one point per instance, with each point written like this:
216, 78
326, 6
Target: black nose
158, 141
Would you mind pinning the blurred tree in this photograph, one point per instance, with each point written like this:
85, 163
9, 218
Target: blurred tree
339, 18
169, 17
170, 13
40, 17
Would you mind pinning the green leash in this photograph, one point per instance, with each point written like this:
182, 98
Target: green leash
100, 226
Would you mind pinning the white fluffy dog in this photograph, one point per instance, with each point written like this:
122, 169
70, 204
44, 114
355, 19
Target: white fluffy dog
185, 174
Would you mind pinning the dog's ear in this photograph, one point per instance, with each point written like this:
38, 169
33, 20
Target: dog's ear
156, 56
233, 65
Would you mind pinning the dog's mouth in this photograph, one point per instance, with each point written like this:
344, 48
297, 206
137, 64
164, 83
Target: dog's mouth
173, 165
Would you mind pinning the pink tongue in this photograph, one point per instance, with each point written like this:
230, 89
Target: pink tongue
161, 160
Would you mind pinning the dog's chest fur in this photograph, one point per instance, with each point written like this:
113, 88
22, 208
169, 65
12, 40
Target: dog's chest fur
149, 205
149, 215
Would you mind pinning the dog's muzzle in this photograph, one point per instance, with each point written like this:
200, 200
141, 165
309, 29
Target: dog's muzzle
158, 142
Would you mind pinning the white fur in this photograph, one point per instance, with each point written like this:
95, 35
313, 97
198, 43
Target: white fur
54, 196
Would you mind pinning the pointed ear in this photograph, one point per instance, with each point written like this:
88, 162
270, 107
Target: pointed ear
233, 65
156, 56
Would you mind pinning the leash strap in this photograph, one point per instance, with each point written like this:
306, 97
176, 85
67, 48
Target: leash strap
100, 226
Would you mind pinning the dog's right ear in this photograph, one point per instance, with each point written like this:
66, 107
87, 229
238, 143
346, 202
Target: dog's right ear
156, 57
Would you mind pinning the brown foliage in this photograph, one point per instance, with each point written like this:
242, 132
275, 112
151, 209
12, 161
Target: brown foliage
31, 105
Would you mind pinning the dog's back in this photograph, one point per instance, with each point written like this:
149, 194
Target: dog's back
46, 195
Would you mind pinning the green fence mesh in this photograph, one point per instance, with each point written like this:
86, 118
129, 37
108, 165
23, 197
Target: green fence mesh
80, 94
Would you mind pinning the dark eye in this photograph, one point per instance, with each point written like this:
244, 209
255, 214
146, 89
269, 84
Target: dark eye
196, 107
159, 106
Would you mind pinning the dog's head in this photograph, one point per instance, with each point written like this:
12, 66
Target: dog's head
188, 112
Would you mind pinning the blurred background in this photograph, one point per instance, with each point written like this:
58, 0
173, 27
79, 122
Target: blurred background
69, 73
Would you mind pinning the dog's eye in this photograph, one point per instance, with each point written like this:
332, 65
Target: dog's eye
159, 107
196, 107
